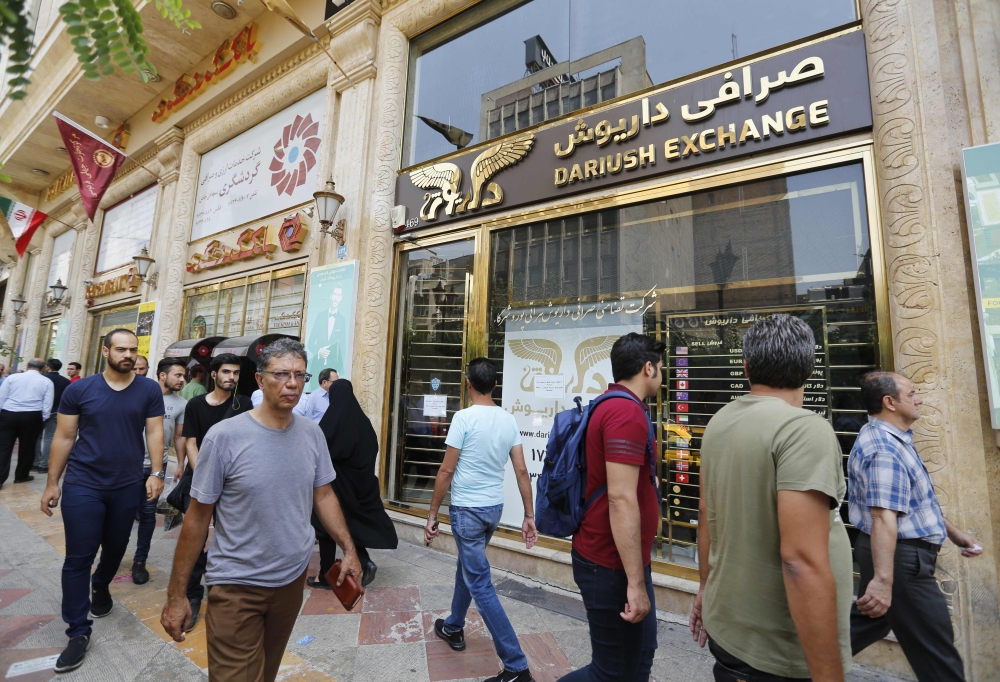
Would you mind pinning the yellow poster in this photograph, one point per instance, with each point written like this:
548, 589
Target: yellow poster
144, 327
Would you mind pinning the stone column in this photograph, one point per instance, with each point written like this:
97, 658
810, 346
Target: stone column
15, 285
931, 320
85, 249
37, 295
163, 247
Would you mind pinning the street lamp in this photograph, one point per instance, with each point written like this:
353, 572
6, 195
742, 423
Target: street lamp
142, 263
18, 303
328, 202
57, 290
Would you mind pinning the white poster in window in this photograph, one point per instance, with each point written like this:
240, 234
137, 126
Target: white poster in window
126, 230
267, 169
548, 360
435, 406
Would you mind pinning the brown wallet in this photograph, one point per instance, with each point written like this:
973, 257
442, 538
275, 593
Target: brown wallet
350, 592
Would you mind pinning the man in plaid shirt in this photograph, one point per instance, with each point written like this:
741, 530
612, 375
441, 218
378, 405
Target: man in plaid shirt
892, 503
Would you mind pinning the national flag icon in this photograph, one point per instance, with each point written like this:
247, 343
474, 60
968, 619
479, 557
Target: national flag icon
683, 454
683, 418
682, 395
22, 220
681, 478
682, 407
681, 362
681, 350
682, 385
682, 373
681, 466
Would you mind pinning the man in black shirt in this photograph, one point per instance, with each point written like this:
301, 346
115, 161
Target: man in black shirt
200, 414
45, 442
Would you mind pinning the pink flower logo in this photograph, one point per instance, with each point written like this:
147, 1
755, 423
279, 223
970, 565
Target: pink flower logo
294, 154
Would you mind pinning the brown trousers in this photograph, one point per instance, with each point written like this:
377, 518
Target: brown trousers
248, 627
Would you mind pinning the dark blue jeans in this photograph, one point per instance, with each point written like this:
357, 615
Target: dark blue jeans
93, 519
147, 524
472, 528
622, 651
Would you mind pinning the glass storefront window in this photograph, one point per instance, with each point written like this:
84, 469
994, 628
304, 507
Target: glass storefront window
256, 304
695, 271
201, 314
505, 65
123, 318
285, 315
231, 308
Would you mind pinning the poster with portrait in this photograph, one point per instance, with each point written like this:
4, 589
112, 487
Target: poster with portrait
329, 332
551, 356
264, 170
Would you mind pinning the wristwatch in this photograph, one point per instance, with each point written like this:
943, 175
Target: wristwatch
159, 474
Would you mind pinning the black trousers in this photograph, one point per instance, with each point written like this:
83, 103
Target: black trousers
328, 554
24, 428
918, 615
728, 668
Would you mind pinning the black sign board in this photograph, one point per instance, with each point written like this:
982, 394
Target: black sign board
334, 6
803, 95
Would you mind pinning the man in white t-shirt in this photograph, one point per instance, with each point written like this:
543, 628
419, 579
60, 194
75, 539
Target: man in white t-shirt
480, 440
170, 374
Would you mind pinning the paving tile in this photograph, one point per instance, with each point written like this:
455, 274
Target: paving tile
392, 599
14, 629
322, 602
436, 597
474, 625
478, 660
171, 664
195, 648
11, 656
391, 662
295, 669
8, 597
546, 660
575, 645
390, 627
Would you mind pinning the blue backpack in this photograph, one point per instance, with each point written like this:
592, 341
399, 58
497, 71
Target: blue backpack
560, 490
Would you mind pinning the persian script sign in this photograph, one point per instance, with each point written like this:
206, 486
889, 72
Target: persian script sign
126, 282
803, 95
253, 242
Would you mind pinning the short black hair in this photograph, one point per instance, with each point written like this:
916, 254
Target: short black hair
631, 353
482, 374
55, 364
324, 374
197, 370
780, 352
75, 364
225, 359
164, 365
875, 386
111, 335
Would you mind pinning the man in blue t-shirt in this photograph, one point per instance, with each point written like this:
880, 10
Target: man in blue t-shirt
480, 441
104, 483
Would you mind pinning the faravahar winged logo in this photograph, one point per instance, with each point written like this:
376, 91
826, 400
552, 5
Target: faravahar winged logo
444, 180
590, 352
546, 353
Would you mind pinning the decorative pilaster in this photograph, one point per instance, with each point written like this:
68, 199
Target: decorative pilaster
15, 286
36, 296
87, 234
930, 314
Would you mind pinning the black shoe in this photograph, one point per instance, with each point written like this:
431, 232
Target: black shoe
195, 610
171, 522
101, 602
24, 480
511, 676
72, 656
456, 640
318, 583
140, 576
368, 573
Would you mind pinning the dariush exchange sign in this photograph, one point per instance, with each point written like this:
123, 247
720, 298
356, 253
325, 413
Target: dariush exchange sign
802, 95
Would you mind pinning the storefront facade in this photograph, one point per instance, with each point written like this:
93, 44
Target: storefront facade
527, 181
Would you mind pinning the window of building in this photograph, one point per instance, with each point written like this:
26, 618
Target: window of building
127, 229
124, 317
504, 65
693, 270
62, 252
240, 306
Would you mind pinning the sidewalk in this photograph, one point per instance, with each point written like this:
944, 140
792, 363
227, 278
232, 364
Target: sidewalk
389, 638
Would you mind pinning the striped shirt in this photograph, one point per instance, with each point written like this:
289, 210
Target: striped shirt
884, 470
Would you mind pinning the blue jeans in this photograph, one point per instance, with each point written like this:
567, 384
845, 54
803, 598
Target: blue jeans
93, 519
472, 528
622, 651
147, 524
45, 442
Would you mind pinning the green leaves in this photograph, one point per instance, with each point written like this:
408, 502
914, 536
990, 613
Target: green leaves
16, 36
172, 10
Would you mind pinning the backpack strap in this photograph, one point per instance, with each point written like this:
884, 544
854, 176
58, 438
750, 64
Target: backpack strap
650, 440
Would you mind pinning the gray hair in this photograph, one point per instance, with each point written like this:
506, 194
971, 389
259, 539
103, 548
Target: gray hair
780, 352
36, 363
279, 349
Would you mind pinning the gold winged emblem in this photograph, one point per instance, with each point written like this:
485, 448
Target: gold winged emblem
444, 180
590, 352
546, 353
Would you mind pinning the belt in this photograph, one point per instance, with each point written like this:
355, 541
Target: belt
913, 542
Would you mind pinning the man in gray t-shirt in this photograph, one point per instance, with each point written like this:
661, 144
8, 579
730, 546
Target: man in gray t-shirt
170, 376
261, 474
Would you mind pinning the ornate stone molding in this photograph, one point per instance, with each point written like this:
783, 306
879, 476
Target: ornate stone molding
911, 230
78, 302
169, 147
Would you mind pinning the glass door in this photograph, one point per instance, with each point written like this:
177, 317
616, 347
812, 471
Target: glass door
431, 354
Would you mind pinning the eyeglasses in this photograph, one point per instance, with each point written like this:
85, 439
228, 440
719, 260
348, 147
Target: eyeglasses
300, 377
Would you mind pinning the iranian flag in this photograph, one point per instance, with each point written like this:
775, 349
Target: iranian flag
23, 221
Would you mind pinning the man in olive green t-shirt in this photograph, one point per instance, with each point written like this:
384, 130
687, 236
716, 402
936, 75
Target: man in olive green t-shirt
774, 556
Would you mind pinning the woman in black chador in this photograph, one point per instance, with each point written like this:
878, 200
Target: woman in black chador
353, 450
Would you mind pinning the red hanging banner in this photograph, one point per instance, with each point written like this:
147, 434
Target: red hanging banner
95, 162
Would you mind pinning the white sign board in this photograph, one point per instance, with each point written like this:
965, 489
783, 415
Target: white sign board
435, 406
265, 170
547, 361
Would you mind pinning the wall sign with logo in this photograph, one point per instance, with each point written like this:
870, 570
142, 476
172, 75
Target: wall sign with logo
256, 241
803, 95
114, 285
273, 166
